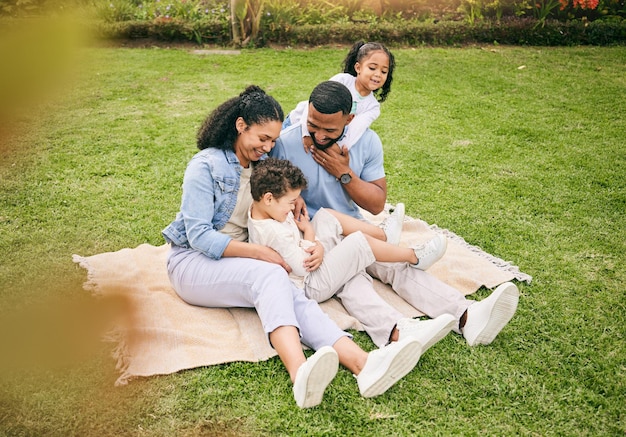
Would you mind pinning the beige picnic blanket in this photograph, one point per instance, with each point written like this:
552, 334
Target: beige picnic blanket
161, 334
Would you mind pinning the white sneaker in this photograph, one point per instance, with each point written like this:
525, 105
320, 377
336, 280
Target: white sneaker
314, 376
386, 366
392, 225
430, 252
427, 332
485, 319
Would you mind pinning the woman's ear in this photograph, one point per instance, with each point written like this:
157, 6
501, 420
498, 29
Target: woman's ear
240, 125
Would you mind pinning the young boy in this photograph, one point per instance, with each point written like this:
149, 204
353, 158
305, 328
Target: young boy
342, 246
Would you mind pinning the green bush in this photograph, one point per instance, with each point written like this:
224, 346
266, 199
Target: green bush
188, 10
173, 30
414, 33
319, 22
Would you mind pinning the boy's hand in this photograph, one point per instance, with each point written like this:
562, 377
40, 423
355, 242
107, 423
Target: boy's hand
317, 256
304, 224
300, 209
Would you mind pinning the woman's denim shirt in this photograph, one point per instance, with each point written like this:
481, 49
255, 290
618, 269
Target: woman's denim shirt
210, 189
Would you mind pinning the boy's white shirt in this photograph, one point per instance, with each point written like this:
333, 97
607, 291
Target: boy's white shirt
286, 239
366, 110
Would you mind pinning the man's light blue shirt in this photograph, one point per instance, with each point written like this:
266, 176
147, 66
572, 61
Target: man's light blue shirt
324, 190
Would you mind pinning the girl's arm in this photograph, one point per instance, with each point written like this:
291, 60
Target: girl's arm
358, 125
366, 112
299, 116
307, 142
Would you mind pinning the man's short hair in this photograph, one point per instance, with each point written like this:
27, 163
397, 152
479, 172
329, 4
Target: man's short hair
330, 97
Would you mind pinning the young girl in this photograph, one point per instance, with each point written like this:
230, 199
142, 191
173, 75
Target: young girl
275, 186
368, 74
211, 263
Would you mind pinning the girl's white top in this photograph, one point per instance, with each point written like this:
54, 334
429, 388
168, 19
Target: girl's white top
366, 109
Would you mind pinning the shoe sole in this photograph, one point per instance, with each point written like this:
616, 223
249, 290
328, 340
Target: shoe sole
445, 330
320, 376
501, 313
401, 364
400, 212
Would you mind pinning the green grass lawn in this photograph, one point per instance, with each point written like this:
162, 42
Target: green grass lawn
518, 150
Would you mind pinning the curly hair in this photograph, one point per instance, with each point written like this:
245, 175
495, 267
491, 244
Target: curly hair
276, 176
253, 105
361, 51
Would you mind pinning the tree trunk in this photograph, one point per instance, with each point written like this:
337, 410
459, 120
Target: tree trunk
234, 22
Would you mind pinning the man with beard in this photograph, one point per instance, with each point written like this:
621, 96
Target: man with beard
348, 180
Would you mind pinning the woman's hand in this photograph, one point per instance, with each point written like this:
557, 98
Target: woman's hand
256, 251
317, 256
270, 255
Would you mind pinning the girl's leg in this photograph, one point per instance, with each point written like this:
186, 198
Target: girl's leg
385, 252
351, 225
376, 238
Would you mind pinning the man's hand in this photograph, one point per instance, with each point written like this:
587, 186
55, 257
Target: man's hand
369, 195
335, 160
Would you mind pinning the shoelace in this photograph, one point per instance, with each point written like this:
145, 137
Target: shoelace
423, 250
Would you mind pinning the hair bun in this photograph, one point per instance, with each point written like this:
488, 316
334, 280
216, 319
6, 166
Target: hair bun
250, 94
252, 89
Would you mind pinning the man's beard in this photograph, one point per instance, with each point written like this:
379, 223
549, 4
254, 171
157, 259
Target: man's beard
326, 145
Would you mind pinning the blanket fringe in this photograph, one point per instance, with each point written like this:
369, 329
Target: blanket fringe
502, 264
90, 284
120, 352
